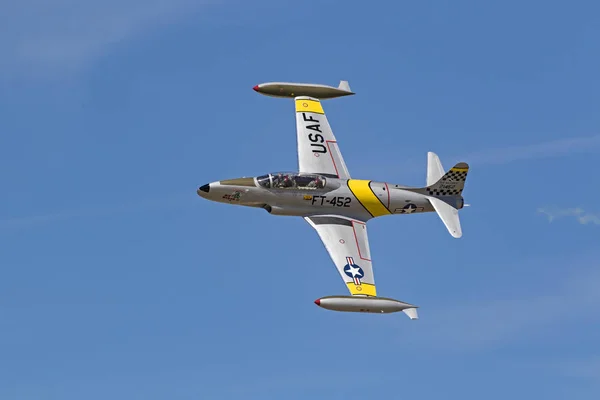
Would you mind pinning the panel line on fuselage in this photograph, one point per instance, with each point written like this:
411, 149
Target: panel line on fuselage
361, 189
384, 206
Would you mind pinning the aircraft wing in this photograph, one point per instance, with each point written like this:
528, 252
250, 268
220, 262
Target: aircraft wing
347, 242
318, 151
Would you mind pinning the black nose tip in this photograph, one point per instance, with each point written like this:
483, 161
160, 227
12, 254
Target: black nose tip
205, 188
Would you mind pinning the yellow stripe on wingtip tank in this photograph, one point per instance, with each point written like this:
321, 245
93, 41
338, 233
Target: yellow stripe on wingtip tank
366, 197
305, 105
365, 289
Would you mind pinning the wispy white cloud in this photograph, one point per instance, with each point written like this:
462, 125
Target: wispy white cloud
501, 155
579, 214
585, 368
505, 155
42, 36
23, 222
488, 323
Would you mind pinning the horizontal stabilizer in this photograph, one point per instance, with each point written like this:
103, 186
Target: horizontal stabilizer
448, 215
435, 171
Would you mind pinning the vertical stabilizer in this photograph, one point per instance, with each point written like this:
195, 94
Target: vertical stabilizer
344, 85
451, 183
446, 191
411, 312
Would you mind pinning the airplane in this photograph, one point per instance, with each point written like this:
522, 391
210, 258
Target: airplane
338, 206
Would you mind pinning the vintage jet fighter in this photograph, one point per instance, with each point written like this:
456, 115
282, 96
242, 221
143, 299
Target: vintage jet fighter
338, 207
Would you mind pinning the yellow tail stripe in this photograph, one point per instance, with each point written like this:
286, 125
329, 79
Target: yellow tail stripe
366, 197
305, 105
365, 289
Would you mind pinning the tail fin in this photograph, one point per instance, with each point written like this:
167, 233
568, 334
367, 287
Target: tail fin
444, 191
450, 186
411, 312
451, 183
344, 85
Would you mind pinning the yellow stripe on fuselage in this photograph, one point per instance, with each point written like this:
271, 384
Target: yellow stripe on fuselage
366, 197
305, 105
365, 289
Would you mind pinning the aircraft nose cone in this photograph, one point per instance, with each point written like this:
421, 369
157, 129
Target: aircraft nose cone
205, 188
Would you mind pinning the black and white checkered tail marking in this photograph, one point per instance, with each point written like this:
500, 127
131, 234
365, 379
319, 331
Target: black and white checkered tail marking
452, 183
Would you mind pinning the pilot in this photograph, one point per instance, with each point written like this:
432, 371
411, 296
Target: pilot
316, 183
287, 182
277, 180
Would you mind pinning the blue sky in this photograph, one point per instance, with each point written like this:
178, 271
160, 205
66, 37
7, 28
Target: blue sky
118, 281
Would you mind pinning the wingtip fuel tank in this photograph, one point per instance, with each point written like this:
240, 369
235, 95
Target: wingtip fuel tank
291, 90
377, 305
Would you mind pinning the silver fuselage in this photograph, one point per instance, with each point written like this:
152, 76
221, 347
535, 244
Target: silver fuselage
353, 198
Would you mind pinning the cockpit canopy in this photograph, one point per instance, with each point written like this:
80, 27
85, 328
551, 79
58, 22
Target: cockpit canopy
291, 180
